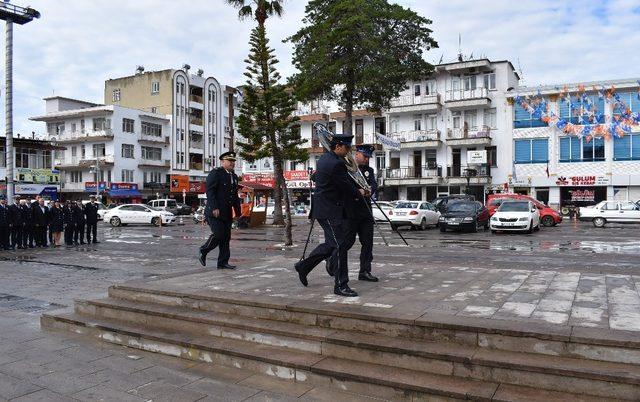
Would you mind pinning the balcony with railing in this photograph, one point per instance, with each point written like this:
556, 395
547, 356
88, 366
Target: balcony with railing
412, 103
195, 98
427, 174
153, 138
197, 121
469, 136
83, 163
159, 163
471, 174
84, 136
307, 113
466, 98
417, 138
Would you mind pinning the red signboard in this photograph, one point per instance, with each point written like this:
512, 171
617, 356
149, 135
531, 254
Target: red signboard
123, 186
266, 179
296, 175
178, 183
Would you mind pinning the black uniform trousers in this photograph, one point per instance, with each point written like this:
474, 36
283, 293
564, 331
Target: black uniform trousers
334, 241
78, 233
363, 228
69, 230
16, 236
27, 235
4, 237
220, 237
40, 235
92, 230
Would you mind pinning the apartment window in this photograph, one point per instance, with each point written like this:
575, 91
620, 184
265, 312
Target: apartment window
416, 89
109, 175
523, 119
76, 176
152, 153
82, 126
116, 95
574, 149
154, 109
152, 177
180, 134
417, 122
99, 150
212, 95
101, 124
74, 152
455, 84
490, 118
60, 128
430, 158
152, 129
492, 156
179, 157
73, 127
626, 148
490, 81
469, 83
253, 166
127, 176
456, 117
155, 87
430, 88
381, 161
127, 151
3, 157
431, 122
532, 150
26, 158
83, 151
128, 125
381, 123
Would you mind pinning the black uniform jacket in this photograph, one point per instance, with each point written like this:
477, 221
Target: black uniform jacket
334, 188
40, 218
360, 207
4, 216
222, 194
91, 212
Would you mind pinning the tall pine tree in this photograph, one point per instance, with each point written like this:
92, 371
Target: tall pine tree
266, 121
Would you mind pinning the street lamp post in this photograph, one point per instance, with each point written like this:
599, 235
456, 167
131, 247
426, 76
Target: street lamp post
20, 15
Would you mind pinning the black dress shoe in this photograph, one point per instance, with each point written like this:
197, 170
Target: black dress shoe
202, 257
327, 265
345, 291
226, 266
301, 275
366, 276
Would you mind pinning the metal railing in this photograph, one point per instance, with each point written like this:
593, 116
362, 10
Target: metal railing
155, 162
78, 135
416, 136
306, 110
466, 94
428, 171
468, 171
469, 133
411, 100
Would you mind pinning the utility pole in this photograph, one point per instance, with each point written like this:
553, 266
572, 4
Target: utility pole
20, 15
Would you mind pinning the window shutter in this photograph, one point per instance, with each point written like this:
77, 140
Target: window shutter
635, 146
575, 149
564, 149
523, 151
540, 150
622, 148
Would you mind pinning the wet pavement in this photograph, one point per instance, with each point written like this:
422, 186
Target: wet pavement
573, 274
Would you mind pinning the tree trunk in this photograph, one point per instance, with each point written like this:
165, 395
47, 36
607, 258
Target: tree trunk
278, 218
288, 237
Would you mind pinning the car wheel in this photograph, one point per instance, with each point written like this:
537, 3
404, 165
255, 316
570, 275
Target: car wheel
530, 227
547, 221
599, 222
423, 224
443, 229
156, 221
115, 221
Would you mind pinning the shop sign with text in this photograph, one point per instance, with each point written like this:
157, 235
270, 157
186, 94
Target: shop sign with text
577, 181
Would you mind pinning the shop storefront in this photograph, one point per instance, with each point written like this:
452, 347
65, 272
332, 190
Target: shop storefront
47, 191
581, 191
123, 193
186, 191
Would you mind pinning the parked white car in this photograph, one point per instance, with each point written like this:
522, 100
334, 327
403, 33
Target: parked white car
417, 214
137, 213
522, 216
386, 206
611, 211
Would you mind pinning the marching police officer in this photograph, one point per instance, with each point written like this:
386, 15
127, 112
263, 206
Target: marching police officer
360, 219
91, 214
329, 208
222, 200
4, 223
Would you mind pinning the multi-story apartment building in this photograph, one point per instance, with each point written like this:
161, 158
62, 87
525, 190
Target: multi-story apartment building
453, 128
125, 152
201, 111
33, 167
568, 170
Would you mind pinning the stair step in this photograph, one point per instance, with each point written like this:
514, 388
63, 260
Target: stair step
548, 372
362, 378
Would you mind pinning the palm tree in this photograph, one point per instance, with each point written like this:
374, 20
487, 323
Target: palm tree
259, 10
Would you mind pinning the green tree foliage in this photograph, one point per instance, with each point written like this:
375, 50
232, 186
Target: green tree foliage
360, 53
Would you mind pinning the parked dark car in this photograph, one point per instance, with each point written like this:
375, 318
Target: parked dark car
464, 216
441, 203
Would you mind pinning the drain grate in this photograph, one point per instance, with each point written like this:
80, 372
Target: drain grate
19, 303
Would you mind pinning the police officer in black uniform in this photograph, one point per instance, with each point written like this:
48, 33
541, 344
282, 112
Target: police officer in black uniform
40, 215
15, 223
69, 223
79, 220
329, 207
360, 219
26, 218
4, 223
91, 214
222, 200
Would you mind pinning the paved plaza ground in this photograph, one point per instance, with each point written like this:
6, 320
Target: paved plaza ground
570, 276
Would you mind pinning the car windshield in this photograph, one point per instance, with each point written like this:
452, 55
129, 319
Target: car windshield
514, 207
407, 205
462, 207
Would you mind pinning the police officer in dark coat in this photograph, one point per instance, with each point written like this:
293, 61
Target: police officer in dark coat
91, 214
360, 219
79, 220
222, 200
15, 223
4, 223
329, 208
40, 215
27, 223
69, 223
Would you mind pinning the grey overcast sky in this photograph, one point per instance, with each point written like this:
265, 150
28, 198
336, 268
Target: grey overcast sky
77, 44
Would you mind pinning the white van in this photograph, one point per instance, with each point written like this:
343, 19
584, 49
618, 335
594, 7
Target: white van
167, 204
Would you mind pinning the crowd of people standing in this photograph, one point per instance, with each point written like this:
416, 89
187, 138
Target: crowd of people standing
30, 223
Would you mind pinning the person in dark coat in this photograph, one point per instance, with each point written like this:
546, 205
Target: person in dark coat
222, 201
360, 218
328, 207
69, 223
40, 215
79, 220
49, 206
15, 223
56, 223
26, 218
4, 223
91, 215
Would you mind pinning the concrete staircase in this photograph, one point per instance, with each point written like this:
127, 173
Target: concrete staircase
381, 356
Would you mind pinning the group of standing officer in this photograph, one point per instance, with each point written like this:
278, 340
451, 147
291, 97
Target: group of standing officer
343, 210
33, 223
